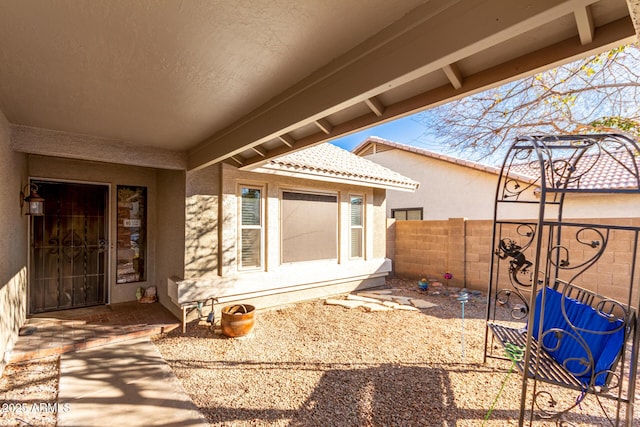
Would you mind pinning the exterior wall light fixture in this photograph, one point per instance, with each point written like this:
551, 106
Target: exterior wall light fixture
35, 203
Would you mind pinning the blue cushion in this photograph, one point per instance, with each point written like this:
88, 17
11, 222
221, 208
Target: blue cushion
566, 348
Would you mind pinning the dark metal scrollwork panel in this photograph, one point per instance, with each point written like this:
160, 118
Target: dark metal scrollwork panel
592, 242
519, 309
553, 281
519, 271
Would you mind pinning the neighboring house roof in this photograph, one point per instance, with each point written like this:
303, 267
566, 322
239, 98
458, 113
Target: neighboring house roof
594, 172
374, 144
612, 171
327, 162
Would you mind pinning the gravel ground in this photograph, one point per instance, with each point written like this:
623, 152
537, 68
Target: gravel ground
29, 392
319, 365
312, 364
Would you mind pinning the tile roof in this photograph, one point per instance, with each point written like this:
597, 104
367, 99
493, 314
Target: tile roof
612, 171
593, 172
328, 162
362, 147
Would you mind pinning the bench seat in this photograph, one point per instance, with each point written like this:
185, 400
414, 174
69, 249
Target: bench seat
581, 345
546, 368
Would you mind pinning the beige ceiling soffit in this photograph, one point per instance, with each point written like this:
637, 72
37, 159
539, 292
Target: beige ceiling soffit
375, 105
324, 125
454, 75
261, 151
608, 37
47, 142
383, 62
287, 140
584, 21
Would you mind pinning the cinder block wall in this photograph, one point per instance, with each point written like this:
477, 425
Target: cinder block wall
610, 275
432, 248
464, 249
422, 249
478, 253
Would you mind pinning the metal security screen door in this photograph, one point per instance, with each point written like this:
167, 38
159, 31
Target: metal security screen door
69, 247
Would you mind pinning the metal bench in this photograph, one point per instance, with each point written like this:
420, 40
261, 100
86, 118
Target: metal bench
583, 339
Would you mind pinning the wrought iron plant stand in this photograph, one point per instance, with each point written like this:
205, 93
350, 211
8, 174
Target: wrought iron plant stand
563, 292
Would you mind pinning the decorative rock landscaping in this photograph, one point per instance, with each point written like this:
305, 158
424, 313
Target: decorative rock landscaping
382, 300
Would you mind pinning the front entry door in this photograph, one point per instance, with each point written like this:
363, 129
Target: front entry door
69, 247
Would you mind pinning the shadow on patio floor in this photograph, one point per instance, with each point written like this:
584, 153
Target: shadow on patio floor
65, 331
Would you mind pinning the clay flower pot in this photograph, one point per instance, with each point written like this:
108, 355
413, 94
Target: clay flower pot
237, 320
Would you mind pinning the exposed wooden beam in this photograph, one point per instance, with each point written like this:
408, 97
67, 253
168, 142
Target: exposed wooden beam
454, 75
389, 59
584, 21
287, 140
375, 105
608, 37
324, 125
238, 159
261, 151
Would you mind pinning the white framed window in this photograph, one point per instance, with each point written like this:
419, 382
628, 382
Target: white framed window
356, 226
309, 226
251, 235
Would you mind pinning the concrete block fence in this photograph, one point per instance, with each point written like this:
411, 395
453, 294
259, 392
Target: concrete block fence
462, 248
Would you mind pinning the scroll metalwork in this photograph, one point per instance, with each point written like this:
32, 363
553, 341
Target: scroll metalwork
546, 271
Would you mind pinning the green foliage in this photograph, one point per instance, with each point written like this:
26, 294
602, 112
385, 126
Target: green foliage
611, 124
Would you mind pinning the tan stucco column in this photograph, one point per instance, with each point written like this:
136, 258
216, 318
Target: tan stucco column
634, 11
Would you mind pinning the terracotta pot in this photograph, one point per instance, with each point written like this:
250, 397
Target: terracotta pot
237, 320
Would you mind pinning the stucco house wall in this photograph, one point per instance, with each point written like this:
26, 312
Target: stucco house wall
192, 234
13, 244
170, 226
446, 190
165, 215
211, 253
450, 188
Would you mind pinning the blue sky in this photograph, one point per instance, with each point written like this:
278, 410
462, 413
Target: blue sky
408, 131
405, 130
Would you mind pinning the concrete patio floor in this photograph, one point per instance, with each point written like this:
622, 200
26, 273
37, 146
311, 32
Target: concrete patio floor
65, 331
110, 372
122, 384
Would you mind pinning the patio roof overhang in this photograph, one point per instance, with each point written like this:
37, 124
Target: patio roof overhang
182, 85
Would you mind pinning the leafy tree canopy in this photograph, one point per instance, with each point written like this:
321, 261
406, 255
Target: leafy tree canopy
600, 93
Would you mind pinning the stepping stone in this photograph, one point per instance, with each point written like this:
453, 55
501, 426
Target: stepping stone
363, 299
382, 292
420, 303
370, 306
376, 296
406, 308
391, 304
402, 300
344, 303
